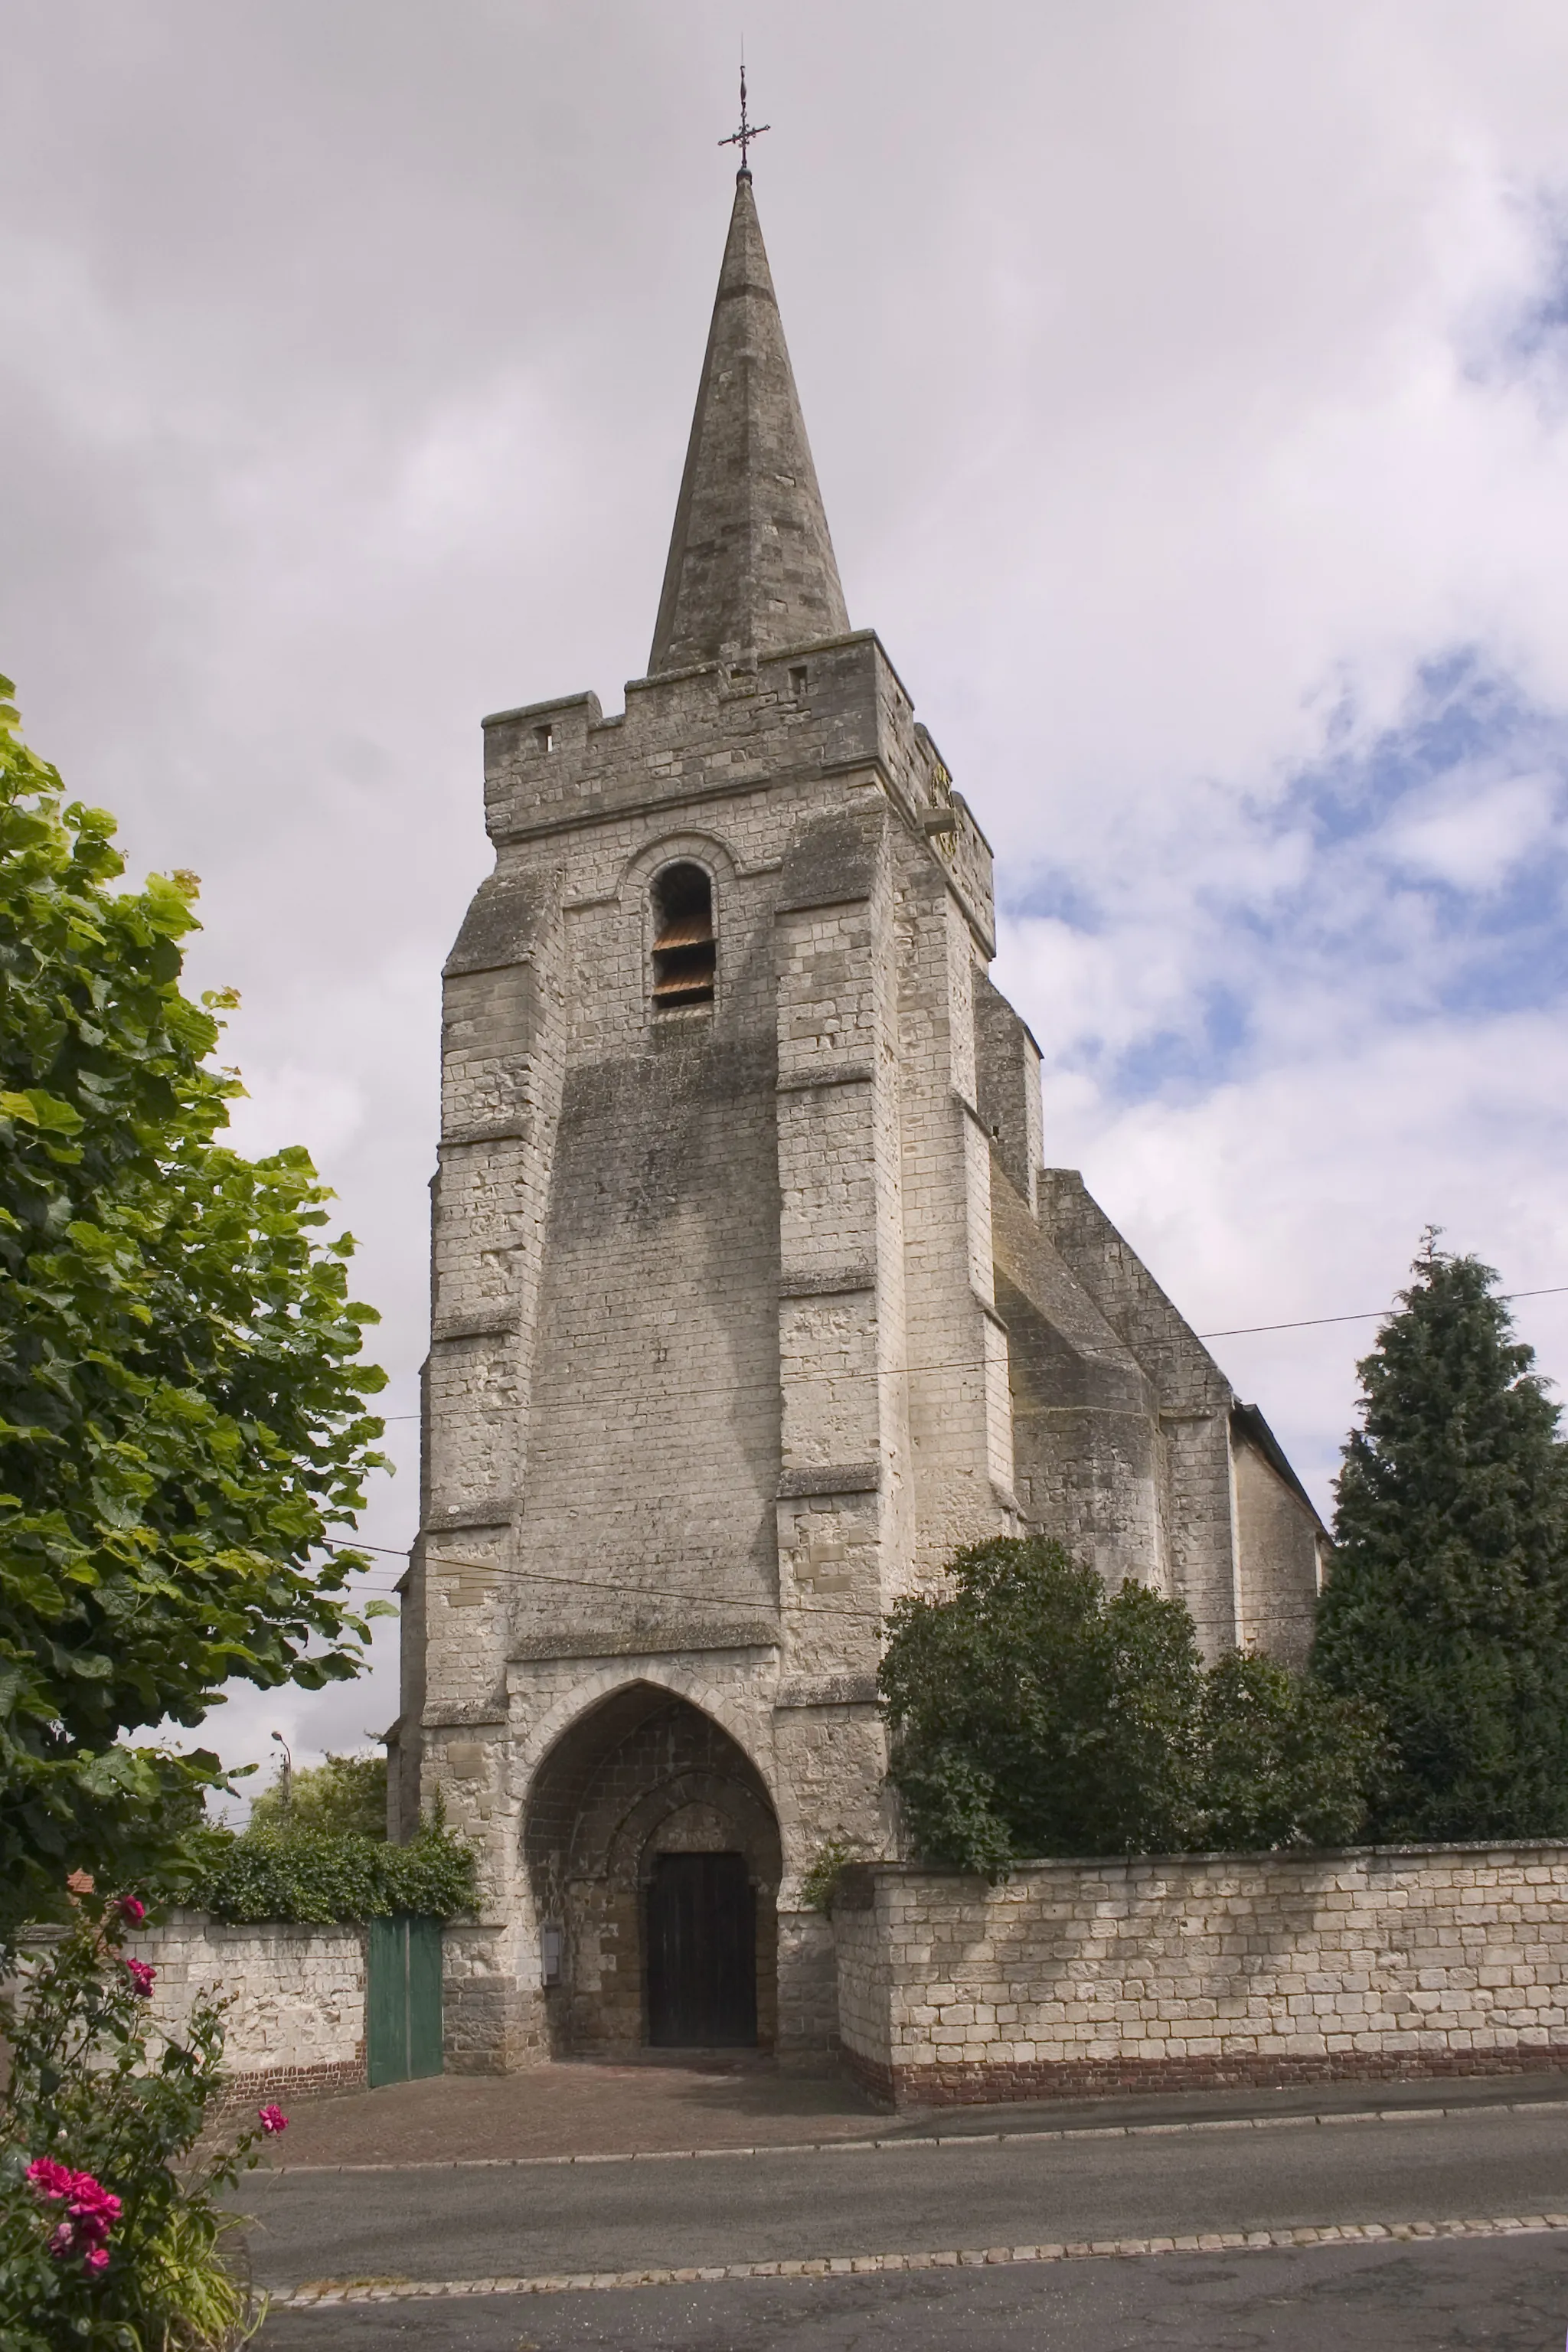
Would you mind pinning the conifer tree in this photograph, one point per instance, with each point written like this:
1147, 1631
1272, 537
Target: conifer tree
1447, 1605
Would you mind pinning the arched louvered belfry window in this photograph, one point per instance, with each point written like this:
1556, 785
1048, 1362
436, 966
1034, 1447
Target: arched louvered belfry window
685, 951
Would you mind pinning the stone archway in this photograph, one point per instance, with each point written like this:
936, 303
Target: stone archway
642, 1775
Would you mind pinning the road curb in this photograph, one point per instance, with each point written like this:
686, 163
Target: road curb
1334, 2119
324, 2293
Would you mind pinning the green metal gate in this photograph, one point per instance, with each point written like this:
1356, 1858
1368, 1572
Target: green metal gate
403, 1998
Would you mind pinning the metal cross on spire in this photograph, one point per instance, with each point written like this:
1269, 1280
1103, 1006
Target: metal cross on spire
748, 130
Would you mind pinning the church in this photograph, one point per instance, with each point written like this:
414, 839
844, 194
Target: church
754, 1295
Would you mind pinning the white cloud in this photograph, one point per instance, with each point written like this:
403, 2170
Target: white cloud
1474, 831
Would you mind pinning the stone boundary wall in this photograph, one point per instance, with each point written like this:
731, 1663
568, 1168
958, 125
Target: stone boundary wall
1201, 1970
295, 2026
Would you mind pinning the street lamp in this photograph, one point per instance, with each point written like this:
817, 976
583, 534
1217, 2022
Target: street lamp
286, 1777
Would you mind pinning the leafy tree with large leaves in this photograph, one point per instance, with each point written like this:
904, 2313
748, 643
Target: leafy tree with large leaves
1033, 1713
183, 1416
1447, 1607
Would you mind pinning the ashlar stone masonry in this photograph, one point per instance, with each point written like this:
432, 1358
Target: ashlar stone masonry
1198, 1970
752, 1295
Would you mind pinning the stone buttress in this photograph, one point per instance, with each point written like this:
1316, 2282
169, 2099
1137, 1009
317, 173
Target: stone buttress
751, 1297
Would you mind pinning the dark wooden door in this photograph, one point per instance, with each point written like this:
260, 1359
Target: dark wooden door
701, 1953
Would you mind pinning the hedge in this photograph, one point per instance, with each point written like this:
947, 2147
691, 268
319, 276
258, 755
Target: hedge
323, 1876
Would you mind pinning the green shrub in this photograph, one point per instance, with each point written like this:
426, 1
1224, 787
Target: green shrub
819, 1880
1033, 1713
111, 2238
318, 1876
1285, 1762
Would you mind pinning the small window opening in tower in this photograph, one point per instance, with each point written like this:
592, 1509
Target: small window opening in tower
546, 738
798, 679
685, 953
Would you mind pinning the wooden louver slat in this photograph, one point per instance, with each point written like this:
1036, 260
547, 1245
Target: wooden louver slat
685, 931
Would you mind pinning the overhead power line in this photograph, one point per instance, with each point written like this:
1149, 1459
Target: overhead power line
1364, 1315
727, 1600
975, 1364
501, 1574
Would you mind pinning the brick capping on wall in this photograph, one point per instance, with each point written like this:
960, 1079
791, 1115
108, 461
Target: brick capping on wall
1198, 1971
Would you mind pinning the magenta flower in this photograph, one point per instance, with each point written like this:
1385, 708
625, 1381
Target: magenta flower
273, 2120
91, 2210
49, 2179
132, 1910
140, 1976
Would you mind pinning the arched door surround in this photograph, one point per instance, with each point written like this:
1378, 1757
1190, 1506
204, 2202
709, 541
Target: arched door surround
647, 1816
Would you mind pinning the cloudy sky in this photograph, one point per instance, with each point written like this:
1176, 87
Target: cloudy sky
1189, 382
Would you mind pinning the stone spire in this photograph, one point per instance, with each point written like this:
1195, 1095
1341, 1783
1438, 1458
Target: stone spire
751, 561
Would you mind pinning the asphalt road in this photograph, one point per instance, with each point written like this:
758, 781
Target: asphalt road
480, 2221
1507, 2295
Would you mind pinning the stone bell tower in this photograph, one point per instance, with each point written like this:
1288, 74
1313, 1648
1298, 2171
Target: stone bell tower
751, 1296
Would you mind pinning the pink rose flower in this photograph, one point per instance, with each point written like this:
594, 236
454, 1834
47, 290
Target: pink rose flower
91, 2210
49, 2179
132, 1910
273, 2120
140, 1976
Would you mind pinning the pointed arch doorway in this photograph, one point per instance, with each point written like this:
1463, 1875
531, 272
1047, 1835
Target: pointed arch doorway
653, 1851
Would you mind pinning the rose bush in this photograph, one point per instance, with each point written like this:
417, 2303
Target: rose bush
112, 2235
